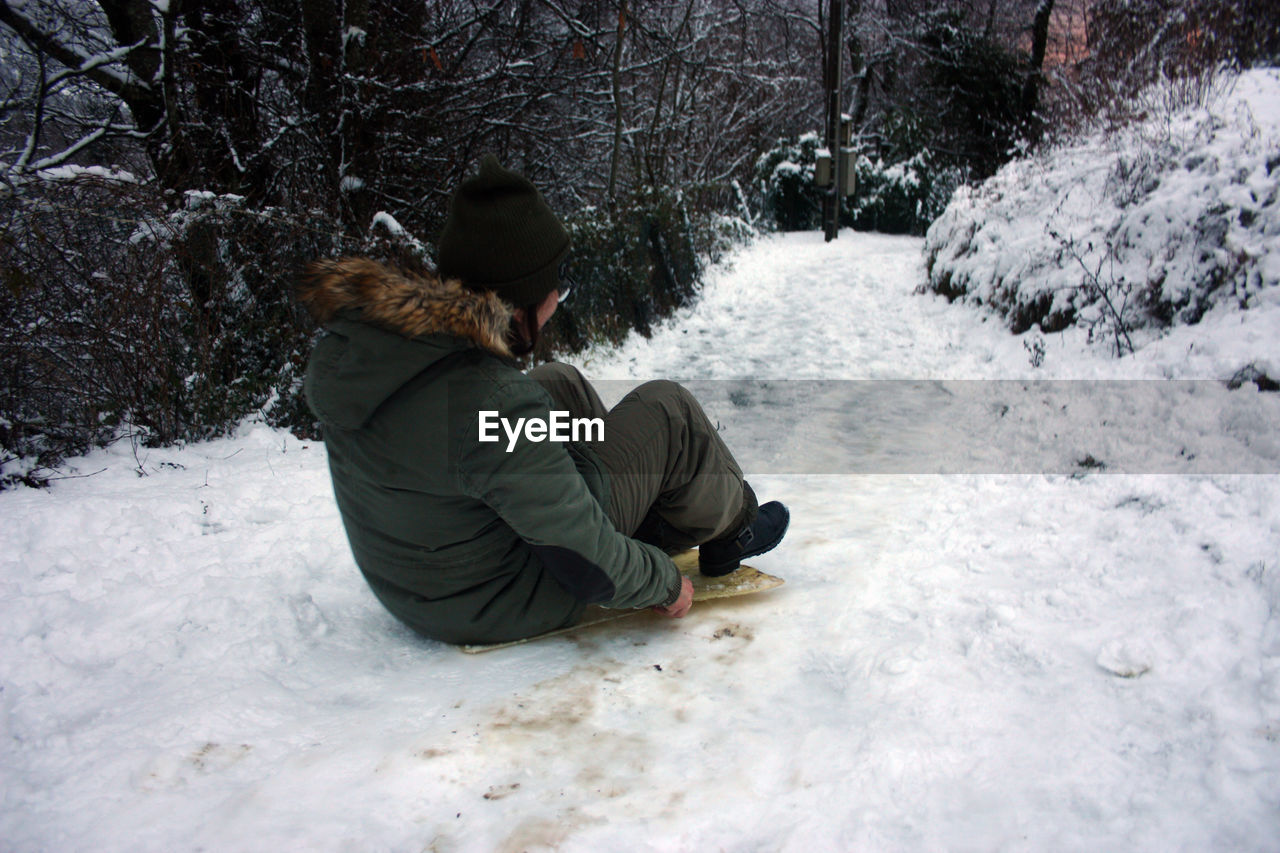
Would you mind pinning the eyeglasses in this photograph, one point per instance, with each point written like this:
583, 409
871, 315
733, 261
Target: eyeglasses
566, 282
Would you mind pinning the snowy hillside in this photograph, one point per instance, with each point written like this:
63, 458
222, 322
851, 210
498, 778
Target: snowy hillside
1154, 225
1032, 653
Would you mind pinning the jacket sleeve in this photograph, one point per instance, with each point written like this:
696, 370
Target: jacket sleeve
538, 491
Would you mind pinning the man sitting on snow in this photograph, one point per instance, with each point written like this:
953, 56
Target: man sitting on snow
481, 541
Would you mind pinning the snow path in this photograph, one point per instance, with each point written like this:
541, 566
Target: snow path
814, 310
189, 658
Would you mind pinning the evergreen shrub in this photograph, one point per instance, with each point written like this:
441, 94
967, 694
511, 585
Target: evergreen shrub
894, 197
784, 182
903, 197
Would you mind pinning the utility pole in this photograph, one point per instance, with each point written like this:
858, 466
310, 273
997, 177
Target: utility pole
831, 193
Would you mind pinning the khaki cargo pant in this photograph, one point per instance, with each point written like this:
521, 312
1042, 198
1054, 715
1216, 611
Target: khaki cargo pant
673, 482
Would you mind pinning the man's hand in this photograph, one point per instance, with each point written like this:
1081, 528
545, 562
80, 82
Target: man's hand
681, 605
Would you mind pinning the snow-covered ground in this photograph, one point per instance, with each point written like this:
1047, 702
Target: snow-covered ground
1058, 658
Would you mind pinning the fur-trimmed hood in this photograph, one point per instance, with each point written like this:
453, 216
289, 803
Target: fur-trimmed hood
385, 328
408, 304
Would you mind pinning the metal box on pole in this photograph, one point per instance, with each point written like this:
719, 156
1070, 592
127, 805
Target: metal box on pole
848, 172
848, 158
822, 176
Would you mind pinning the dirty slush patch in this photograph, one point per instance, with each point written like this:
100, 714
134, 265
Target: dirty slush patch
567, 754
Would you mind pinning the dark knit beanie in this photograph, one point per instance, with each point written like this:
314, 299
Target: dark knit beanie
502, 236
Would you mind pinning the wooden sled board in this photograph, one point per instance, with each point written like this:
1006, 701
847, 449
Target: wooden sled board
744, 581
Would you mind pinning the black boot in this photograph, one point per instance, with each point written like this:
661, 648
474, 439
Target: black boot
655, 531
721, 556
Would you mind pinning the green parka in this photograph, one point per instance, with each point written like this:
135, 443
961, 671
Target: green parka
460, 539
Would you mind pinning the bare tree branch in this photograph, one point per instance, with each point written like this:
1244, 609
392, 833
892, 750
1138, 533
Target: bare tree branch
98, 67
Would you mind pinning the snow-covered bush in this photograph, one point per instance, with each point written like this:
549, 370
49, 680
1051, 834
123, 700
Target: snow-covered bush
784, 180
635, 264
129, 310
890, 197
1147, 226
901, 198
82, 333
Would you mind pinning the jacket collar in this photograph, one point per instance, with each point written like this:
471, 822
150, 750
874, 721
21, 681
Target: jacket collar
405, 303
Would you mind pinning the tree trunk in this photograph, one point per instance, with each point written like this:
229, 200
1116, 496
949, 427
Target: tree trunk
219, 126
617, 104
1031, 87
321, 100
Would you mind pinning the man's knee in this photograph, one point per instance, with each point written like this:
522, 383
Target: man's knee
555, 371
663, 392
569, 389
